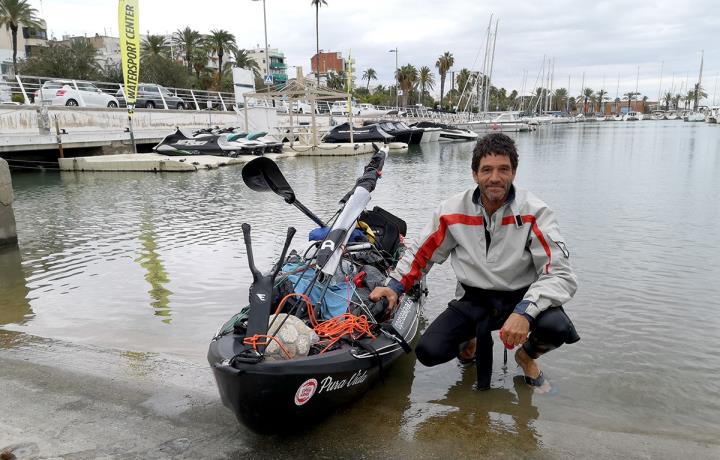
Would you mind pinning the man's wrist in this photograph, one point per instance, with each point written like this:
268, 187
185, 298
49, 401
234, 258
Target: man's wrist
395, 285
521, 309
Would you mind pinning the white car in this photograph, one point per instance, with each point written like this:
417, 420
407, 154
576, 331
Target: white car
63, 92
340, 108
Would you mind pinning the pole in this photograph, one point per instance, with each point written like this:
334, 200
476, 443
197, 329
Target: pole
397, 82
349, 95
58, 138
267, 56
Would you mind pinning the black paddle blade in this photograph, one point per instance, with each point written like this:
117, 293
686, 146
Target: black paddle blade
263, 175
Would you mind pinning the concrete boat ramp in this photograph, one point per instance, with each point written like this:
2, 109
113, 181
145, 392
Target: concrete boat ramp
153, 162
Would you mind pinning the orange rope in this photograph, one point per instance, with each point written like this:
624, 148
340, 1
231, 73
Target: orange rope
330, 331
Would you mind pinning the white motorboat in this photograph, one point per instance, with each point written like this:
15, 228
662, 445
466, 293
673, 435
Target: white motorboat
672, 116
501, 122
694, 117
599, 116
617, 117
448, 132
632, 116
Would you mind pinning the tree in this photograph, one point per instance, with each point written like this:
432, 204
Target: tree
629, 96
187, 40
154, 46
13, 14
368, 75
601, 97
407, 77
426, 80
317, 4
443, 64
243, 60
76, 61
164, 71
199, 60
560, 97
336, 80
698, 94
585, 96
464, 83
218, 42
667, 98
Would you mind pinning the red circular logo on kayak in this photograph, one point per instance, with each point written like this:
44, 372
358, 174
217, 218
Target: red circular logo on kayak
305, 392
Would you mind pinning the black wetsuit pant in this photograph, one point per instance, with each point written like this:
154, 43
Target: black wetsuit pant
477, 314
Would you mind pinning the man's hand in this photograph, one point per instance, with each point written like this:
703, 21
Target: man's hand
515, 330
387, 293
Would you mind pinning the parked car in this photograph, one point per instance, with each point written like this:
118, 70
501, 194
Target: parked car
297, 107
63, 92
148, 97
340, 108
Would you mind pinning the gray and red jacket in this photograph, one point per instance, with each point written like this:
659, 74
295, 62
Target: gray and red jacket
525, 248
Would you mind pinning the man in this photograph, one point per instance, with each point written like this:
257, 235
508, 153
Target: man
512, 269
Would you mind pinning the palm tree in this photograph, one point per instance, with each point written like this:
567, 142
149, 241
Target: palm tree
601, 96
698, 94
426, 79
154, 46
676, 101
13, 13
407, 77
586, 94
667, 99
560, 97
629, 96
317, 4
199, 60
462, 78
368, 75
443, 65
187, 39
218, 42
243, 60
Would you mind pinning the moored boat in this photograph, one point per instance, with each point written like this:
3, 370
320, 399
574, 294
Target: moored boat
279, 392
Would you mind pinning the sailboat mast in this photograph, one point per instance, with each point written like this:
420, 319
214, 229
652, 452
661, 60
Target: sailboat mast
699, 83
492, 64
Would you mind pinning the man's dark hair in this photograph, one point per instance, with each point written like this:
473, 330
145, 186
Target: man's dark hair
495, 144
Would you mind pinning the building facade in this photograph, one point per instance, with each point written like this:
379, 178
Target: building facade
278, 63
28, 39
324, 62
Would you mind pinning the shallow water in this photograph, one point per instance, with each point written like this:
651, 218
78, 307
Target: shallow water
153, 263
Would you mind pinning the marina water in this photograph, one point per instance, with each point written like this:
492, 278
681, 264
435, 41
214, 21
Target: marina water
153, 263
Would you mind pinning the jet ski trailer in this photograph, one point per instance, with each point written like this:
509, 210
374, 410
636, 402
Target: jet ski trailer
278, 395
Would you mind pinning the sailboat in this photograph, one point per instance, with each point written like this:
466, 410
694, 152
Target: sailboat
697, 115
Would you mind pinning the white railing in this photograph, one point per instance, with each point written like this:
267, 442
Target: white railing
28, 88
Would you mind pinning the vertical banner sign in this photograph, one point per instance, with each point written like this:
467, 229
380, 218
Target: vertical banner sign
128, 21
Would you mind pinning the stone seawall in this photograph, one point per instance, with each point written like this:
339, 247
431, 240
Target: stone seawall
8, 232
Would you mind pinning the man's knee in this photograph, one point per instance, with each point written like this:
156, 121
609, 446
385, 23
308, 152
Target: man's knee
430, 354
554, 326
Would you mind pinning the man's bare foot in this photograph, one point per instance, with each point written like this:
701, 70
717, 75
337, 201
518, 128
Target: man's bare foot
467, 355
532, 372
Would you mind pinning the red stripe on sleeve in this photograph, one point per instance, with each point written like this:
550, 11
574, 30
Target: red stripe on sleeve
434, 241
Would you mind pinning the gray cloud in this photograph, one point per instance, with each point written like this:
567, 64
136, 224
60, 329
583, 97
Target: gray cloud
599, 38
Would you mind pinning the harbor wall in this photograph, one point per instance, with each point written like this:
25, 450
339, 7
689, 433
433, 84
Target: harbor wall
8, 231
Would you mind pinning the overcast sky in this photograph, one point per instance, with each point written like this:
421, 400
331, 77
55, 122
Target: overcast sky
600, 38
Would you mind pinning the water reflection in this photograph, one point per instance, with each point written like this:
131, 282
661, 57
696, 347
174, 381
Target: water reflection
156, 273
487, 417
14, 305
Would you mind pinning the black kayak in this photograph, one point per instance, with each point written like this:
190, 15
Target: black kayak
271, 395
372, 133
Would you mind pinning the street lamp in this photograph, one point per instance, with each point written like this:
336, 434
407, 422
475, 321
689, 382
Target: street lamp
397, 79
267, 56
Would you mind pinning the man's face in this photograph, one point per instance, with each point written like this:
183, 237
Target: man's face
494, 176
